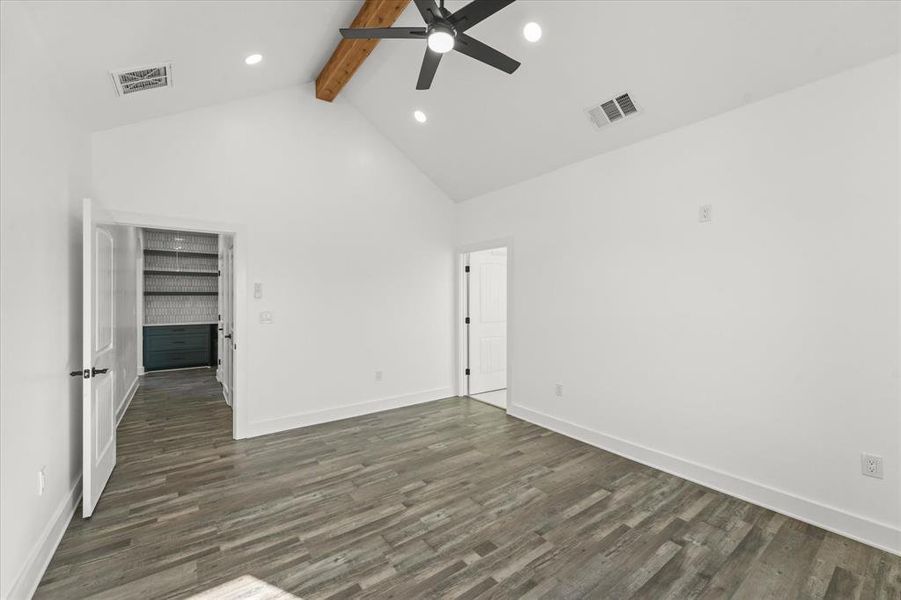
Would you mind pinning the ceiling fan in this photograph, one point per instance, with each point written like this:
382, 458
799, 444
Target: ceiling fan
444, 32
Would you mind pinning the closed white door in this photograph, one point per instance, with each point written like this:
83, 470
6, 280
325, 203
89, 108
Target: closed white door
98, 357
487, 320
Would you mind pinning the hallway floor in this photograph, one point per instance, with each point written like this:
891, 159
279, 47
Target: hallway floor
496, 398
450, 499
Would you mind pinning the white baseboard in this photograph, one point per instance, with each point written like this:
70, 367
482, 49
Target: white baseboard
126, 402
41, 553
267, 426
864, 530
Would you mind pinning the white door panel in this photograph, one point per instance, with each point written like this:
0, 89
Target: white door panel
488, 320
227, 322
98, 356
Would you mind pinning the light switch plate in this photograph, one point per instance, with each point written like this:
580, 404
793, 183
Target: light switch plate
258, 290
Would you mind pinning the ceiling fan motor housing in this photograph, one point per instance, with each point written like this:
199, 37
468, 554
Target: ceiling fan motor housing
445, 31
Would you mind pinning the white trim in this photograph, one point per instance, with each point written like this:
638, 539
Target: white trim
864, 530
38, 559
267, 426
239, 278
462, 252
460, 338
126, 402
139, 300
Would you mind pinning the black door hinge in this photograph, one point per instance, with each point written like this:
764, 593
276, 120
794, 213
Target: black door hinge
467, 372
467, 320
466, 269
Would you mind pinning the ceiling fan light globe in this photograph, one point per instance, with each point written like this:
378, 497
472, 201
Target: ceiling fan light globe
441, 41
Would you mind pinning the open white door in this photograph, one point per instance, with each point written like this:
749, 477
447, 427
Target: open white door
98, 354
220, 325
227, 319
488, 320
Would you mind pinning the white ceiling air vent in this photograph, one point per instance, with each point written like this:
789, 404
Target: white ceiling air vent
153, 77
612, 111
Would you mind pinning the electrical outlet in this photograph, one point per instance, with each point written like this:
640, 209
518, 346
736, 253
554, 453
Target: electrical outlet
42, 481
558, 390
705, 213
258, 290
378, 375
871, 465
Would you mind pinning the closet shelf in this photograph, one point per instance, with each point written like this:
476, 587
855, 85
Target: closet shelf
180, 253
181, 293
191, 273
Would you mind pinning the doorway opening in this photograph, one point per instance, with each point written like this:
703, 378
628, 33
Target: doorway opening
484, 326
159, 312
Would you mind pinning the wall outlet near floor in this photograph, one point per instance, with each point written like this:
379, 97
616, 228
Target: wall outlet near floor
42, 480
558, 390
266, 317
378, 376
705, 213
871, 465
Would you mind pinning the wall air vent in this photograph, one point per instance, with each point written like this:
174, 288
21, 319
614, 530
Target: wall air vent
142, 79
612, 111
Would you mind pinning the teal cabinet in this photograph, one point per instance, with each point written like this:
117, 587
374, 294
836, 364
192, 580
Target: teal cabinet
178, 346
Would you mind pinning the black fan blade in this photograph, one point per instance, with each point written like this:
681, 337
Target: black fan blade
477, 11
475, 49
428, 9
384, 33
427, 72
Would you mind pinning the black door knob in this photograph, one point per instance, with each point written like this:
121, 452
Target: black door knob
98, 371
228, 337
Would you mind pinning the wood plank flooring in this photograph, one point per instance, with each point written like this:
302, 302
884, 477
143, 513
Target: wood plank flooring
451, 499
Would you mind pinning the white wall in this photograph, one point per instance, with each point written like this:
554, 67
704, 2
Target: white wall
351, 243
44, 162
757, 353
125, 307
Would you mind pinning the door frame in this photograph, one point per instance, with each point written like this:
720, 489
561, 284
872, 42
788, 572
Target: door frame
240, 410
461, 260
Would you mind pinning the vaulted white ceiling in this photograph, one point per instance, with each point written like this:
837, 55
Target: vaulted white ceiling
680, 61
206, 40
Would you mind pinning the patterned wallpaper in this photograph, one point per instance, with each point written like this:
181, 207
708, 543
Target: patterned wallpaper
180, 286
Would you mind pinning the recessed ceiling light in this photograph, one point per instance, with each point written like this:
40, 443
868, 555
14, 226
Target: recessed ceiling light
532, 32
253, 59
419, 116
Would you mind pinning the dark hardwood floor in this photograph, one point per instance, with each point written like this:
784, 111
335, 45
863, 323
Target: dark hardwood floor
451, 499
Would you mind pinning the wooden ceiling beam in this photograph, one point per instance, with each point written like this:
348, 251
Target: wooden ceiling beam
350, 54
